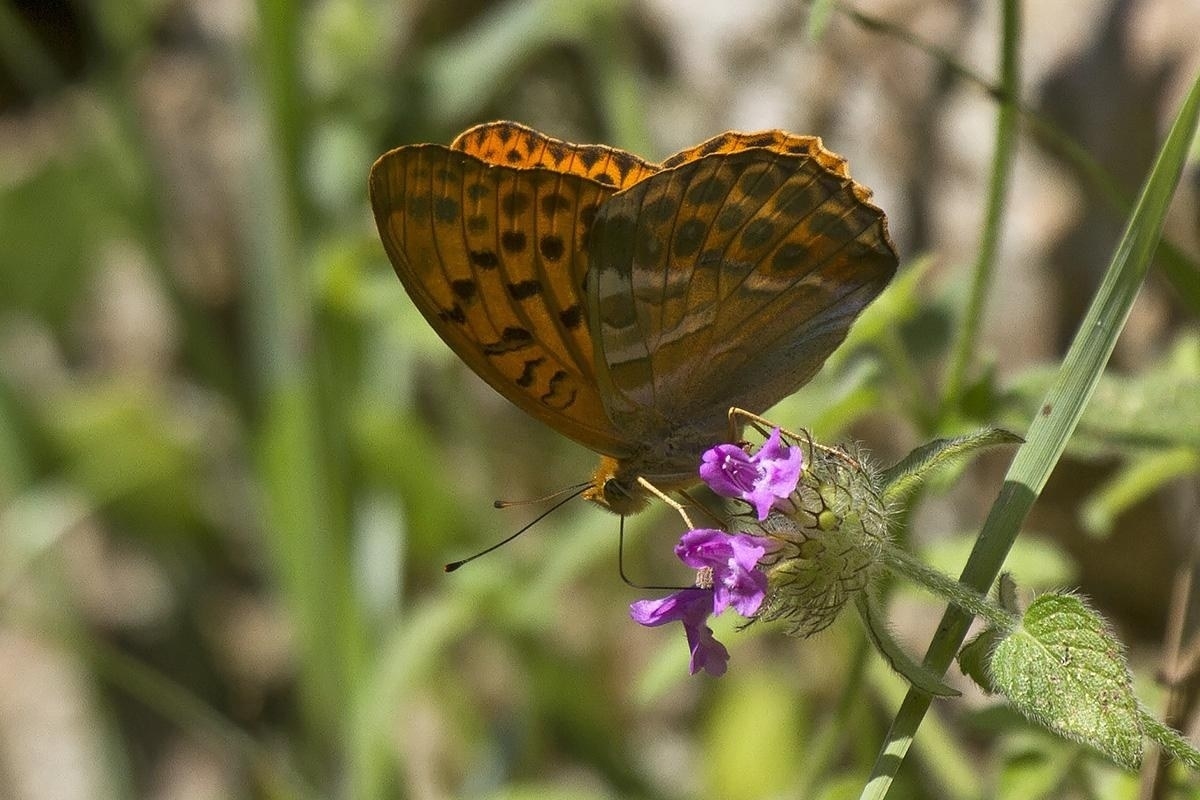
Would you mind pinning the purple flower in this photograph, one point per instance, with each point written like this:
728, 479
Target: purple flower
691, 607
736, 581
762, 479
733, 559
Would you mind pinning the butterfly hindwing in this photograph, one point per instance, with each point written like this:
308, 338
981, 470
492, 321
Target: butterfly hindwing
493, 258
740, 294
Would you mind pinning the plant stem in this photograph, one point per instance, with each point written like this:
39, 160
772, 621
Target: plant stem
1171, 741
964, 597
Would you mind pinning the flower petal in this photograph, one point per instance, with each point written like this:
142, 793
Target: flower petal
745, 590
727, 470
704, 547
679, 606
707, 653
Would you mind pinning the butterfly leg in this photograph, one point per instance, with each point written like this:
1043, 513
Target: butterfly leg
740, 417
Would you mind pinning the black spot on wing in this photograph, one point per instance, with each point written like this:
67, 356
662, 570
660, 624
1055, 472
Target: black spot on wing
513, 242
758, 233
464, 288
572, 317
551, 247
554, 202
560, 394
529, 372
523, 290
688, 237
446, 210
484, 259
623, 162
707, 190
418, 206
454, 314
789, 257
514, 203
512, 339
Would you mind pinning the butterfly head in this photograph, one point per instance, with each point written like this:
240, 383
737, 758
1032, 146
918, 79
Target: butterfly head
615, 487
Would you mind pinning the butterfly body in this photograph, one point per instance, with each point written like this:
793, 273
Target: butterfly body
628, 305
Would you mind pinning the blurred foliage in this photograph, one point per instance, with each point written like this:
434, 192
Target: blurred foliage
233, 457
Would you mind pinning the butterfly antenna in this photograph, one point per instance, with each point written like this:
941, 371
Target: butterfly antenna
573, 493
572, 490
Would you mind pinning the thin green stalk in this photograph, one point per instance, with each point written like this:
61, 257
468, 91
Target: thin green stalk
1171, 741
942, 760
978, 605
1053, 425
1002, 161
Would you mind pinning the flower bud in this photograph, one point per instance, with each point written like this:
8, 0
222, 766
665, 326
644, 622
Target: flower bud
830, 536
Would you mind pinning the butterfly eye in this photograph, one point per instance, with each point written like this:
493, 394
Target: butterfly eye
615, 491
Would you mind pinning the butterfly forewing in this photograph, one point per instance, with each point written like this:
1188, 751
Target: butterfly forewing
757, 277
511, 145
492, 256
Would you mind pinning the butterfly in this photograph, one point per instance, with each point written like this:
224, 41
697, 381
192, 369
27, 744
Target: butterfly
628, 305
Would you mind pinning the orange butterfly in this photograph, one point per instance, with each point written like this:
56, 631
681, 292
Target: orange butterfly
629, 305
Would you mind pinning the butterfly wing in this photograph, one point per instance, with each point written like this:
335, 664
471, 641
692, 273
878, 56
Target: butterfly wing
489, 245
728, 279
509, 144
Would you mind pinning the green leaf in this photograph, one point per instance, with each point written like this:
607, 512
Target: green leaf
902, 479
1063, 669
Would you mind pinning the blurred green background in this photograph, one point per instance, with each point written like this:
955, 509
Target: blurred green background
233, 457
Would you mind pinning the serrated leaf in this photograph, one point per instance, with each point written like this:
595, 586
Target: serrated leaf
1064, 670
901, 479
